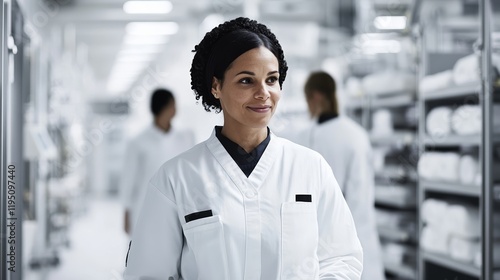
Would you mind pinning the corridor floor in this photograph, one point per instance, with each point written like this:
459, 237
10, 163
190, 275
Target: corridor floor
97, 250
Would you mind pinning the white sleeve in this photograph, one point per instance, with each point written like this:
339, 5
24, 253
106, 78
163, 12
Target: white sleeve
359, 188
129, 180
157, 240
339, 250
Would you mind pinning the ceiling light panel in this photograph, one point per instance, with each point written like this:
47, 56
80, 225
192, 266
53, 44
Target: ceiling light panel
152, 28
147, 7
390, 22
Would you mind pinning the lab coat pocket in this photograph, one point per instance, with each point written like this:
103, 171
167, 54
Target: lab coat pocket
299, 236
205, 237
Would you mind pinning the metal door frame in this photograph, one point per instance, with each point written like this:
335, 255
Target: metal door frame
3, 136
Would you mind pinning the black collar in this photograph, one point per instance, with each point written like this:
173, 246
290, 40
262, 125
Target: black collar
326, 117
246, 161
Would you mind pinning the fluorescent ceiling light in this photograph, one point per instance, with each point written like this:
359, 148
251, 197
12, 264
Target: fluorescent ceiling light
390, 22
145, 40
147, 7
152, 28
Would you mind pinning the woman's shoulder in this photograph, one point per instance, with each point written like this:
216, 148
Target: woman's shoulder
192, 155
183, 163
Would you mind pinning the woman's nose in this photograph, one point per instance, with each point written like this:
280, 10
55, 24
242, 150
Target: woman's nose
262, 92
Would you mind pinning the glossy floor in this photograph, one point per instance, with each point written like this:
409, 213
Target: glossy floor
97, 250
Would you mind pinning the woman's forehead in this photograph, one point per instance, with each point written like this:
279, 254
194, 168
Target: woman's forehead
257, 57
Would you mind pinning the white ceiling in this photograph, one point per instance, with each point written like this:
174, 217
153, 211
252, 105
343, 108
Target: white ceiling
100, 24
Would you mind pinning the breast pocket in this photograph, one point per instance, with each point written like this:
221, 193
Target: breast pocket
299, 229
205, 238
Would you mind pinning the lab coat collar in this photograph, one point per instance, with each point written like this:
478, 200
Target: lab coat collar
326, 117
260, 171
159, 132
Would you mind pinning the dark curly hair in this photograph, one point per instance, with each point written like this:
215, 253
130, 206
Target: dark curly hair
160, 99
221, 46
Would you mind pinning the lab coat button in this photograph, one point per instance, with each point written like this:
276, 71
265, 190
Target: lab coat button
250, 193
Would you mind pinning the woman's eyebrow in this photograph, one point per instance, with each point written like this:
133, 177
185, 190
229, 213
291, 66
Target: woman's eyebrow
246, 72
253, 74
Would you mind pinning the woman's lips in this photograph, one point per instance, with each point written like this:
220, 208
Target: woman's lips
260, 109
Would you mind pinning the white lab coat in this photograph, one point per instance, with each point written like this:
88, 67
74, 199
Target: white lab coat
346, 147
257, 231
144, 155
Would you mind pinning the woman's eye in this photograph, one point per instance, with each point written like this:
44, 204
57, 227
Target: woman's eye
272, 80
246, 81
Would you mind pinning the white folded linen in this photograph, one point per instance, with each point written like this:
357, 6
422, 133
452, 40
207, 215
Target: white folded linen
382, 122
463, 221
438, 121
466, 70
439, 166
449, 171
396, 253
463, 249
427, 165
433, 212
467, 120
434, 239
405, 194
478, 257
391, 219
468, 170
436, 81
389, 82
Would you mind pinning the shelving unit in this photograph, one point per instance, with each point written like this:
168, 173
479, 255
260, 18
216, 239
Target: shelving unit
452, 92
482, 195
393, 175
394, 200
452, 140
451, 188
396, 234
404, 272
446, 261
393, 100
397, 138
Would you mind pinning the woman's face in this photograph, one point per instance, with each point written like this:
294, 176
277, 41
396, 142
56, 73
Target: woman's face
250, 91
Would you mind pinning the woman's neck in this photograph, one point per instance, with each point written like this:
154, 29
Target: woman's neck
164, 127
247, 138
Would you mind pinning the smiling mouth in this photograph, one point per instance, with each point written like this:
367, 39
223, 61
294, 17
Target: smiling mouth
260, 109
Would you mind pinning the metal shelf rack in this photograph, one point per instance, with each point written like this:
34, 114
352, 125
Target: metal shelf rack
482, 94
446, 261
391, 174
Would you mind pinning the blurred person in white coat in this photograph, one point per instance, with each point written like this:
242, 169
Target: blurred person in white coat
158, 143
346, 147
244, 204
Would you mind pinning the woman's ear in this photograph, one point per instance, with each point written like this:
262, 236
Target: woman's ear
216, 86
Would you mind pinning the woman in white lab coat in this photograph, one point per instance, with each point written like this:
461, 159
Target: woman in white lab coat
158, 143
243, 204
346, 147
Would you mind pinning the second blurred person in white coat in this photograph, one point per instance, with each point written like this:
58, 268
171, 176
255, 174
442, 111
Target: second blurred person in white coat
346, 147
158, 143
